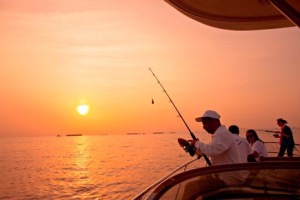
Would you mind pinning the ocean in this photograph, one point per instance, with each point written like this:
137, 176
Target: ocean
91, 167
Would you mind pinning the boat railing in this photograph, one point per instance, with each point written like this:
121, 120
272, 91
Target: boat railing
273, 149
275, 177
183, 167
151, 187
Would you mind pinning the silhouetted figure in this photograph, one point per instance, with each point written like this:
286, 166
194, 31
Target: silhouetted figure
286, 140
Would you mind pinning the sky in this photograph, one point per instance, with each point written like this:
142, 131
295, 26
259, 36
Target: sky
56, 55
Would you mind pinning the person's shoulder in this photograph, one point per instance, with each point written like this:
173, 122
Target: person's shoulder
243, 139
259, 142
287, 128
221, 130
237, 137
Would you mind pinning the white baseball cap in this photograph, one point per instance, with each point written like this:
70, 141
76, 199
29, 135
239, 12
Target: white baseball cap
208, 114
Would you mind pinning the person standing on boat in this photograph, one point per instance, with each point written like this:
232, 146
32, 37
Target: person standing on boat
243, 144
257, 145
286, 139
222, 149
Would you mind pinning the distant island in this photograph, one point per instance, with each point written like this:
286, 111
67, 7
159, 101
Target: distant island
74, 135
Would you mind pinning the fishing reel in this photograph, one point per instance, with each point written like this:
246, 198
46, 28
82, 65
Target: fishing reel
191, 150
187, 146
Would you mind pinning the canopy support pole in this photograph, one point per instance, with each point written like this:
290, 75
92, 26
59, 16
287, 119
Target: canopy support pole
287, 10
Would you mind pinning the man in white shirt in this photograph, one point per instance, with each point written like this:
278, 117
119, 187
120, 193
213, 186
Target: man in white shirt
222, 149
243, 144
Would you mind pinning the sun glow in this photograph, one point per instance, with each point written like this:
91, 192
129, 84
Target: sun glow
83, 109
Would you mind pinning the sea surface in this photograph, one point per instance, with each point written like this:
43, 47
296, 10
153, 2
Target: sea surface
91, 167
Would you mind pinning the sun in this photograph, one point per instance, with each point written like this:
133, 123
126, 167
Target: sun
83, 109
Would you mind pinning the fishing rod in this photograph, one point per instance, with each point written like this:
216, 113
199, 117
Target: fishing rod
269, 131
264, 130
187, 147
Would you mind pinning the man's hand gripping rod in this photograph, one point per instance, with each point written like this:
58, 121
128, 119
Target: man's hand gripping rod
187, 146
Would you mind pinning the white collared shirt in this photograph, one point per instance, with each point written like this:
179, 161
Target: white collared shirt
222, 149
244, 147
260, 148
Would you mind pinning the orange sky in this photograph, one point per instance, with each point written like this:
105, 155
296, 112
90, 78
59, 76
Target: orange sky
54, 54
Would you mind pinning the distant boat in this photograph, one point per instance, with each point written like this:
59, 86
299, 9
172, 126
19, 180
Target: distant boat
134, 133
158, 132
58, 135
74, 135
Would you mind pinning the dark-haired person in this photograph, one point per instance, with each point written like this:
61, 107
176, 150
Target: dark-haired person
257, 145
286, 140
243, 145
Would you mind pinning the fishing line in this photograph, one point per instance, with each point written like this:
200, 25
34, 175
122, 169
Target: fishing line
188, 147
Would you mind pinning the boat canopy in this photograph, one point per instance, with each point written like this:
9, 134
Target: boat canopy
271, 178
242, 14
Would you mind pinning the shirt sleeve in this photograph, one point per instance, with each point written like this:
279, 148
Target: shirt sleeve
219, 144
258, 147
